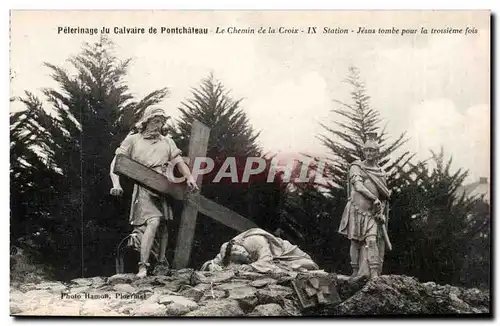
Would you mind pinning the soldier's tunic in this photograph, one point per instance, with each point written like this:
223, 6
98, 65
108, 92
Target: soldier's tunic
358, 220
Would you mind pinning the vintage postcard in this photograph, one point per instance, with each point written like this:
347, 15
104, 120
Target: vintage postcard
250, 163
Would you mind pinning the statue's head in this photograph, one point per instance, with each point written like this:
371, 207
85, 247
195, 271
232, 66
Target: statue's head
154, 118
371, 147
233, 252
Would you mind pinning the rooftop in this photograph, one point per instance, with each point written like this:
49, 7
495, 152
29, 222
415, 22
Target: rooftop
476, 189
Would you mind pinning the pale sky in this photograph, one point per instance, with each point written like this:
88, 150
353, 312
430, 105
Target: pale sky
435, 87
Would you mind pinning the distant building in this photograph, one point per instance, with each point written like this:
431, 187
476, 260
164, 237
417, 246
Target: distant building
476, 189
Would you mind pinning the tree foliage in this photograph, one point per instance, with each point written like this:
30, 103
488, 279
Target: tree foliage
230, 130
231, 137
355, 120
433, 226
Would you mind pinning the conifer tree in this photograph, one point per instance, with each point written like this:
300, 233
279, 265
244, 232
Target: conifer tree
231, 136
436, 228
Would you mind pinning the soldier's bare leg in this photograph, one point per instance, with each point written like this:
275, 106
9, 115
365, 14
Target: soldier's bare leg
373, 255
147, 244
354, 253
381, 253
163, 243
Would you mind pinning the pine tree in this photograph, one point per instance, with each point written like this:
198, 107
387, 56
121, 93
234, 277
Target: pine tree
345, 139
230, 129
231, 135
436, 226
33, 175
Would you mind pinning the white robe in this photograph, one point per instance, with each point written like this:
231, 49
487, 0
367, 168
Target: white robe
268, 253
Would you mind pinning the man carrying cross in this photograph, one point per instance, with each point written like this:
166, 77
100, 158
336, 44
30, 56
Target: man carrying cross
150, 210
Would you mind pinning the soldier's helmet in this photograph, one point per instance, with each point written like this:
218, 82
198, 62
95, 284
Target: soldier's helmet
371, 141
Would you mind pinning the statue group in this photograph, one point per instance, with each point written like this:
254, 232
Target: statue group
364, 220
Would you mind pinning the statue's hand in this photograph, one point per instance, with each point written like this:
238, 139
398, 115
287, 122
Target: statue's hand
192, 186
377, 206
245, 268
214, 268
116, 191
380, 218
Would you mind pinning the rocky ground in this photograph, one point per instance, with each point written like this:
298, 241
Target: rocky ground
192, 293
399, 294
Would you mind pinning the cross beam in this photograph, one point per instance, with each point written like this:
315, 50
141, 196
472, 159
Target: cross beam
193, 203
198, 143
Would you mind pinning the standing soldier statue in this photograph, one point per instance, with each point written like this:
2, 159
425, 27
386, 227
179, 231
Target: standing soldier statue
150, 211
365, 217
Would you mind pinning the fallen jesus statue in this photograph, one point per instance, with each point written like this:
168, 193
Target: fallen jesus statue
256, 250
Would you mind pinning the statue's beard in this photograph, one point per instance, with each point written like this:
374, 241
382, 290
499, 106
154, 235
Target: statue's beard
153, 129
371, 159
152, 133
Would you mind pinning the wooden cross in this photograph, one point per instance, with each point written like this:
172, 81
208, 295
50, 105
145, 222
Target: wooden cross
193, 202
